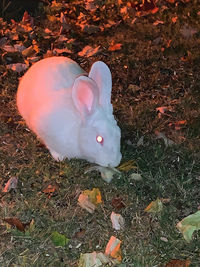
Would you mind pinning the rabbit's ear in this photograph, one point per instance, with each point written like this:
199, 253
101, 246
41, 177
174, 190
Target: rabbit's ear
101, 74
84, 95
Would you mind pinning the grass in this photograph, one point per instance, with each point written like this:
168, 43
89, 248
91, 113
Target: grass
163, 79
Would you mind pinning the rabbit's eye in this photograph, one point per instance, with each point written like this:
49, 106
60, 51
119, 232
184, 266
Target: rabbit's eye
99, 139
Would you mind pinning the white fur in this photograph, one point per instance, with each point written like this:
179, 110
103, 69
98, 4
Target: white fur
68, 110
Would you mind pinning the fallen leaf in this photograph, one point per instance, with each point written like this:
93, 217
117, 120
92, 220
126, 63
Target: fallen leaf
52, 18
9, 48
117, 221
91, 5
114, 47
178, 263
93, 259
11, 184
157, 22
107, 174
140, 142
174, 19
80, 233
29, 51
83, 202
50, 189
89, 51
134, 88
27, 18
164, 239
118, 203
18, 67
60, 51
59, 239
113, 248
167, 141
162, 110
127, 166
90, 29
188, 225
187, 31
17, 223
147, 7
178, 124
94, 195
155, 206
135, 177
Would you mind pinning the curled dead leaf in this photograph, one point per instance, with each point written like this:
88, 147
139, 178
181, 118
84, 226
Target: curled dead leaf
11, 184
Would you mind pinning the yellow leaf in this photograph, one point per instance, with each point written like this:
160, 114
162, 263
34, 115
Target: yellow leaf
94, 195
154, 206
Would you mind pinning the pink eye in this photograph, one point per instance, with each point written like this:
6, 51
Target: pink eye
99, 139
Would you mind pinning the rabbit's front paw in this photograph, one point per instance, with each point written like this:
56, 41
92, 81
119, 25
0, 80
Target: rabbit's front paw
56, 156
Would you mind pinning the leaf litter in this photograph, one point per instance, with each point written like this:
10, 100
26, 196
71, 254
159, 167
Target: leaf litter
26, 28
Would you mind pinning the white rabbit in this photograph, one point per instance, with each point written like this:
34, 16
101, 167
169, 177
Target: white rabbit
71, 112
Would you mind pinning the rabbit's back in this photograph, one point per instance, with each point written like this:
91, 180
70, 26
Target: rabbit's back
46, 83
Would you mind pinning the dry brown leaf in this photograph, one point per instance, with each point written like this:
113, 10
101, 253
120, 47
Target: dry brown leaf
187, 31
89, 51
18, 67
178, 263
118, 203
17, 223
29, 51
178, 124
57, 51
50, 190
157, 22
80, 233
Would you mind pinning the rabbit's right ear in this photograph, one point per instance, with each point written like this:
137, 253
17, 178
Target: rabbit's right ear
101, 74
84, 95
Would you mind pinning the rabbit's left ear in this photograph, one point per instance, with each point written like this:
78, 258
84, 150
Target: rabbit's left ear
101, 74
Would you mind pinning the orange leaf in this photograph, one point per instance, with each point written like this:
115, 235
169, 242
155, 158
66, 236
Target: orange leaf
11, 184
115, 47
113, 248
50, 189
174, 19
178, 124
